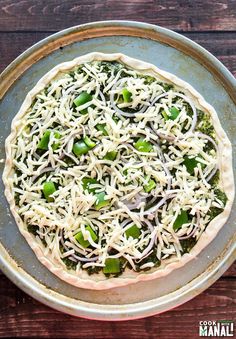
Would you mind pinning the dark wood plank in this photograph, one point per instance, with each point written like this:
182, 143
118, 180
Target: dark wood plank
182, 15
13, 44
222, 45
22, 316
231, 272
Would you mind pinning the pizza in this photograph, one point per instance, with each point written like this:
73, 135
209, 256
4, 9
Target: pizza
116, 171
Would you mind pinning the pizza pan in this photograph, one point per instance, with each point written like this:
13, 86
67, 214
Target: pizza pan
171, 52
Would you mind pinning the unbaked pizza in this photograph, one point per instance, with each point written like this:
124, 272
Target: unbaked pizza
116, 171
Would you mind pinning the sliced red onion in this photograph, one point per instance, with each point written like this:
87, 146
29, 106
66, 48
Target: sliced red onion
125, 222
147, 249
114, 106
149, 225
161, 135
157, 220
157, 224
35, 155
72, 259
163, 200
132, 206
205, 136
156, 207
194, 118
102, 97
45, 170
145, 256
84, 259
33, 129
211, 175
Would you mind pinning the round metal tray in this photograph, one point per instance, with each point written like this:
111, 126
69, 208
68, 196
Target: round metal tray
171, 52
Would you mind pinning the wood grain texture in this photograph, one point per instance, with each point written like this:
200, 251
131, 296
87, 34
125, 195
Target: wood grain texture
231, 272
22, 316
222, 45
182, 15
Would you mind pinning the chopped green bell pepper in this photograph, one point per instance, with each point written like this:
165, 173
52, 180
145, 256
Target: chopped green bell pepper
111, 155
80, 238
181, 219
191, 163
174, 112
149, 186
48, 189
102, 128
90, 143
43, 143
82, 99
56, 135
142, 145
80, 147
133, 232
86, 182
112, 265
126, 95
101, 202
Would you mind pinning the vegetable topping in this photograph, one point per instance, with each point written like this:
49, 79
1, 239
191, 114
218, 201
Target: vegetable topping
116, 170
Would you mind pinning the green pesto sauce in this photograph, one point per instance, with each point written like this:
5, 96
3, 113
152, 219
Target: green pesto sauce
17, 198
221, 196
204, 124
93, 270
214, 211
111, 66
33, 229
215, 179
187, 244
151, 258
71, 265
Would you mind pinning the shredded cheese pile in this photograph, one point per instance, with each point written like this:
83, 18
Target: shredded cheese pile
147, 117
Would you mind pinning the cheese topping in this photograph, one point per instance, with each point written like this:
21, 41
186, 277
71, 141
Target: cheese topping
110, 163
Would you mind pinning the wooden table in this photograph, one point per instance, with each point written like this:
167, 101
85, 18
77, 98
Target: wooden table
212, 25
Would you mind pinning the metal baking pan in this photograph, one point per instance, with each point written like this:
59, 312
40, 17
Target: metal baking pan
171, 52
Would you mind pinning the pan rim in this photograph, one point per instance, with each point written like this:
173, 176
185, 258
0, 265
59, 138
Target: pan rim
129, 311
